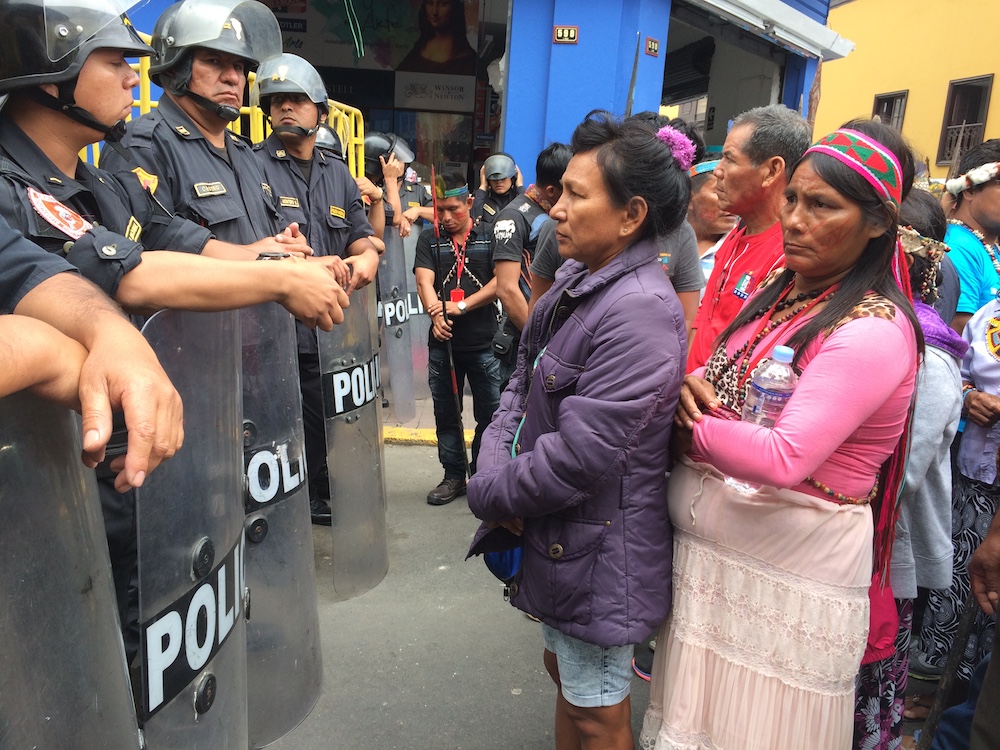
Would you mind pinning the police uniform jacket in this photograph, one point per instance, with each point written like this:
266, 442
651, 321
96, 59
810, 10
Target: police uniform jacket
100, 224
328, 208
187, 174
413, 195
23, 266
487, 204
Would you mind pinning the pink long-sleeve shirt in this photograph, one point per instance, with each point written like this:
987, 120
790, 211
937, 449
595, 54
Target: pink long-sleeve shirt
842, 421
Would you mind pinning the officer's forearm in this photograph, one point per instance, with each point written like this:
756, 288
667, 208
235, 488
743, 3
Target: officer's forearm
228, 251
376, 217
185, 282
72, 305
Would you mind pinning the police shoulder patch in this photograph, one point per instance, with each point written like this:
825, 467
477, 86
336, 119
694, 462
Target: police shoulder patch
134, 229
337, 211
63, 218
208, 189
287, 201
149, 181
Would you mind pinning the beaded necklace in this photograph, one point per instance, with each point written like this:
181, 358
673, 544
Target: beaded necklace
982, 238
742, 359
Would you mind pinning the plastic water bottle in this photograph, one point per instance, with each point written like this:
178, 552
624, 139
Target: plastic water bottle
769, 391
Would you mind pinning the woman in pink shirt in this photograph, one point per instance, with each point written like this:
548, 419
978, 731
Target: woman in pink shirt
770, 618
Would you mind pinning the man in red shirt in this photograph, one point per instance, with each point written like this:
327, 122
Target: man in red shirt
759, 154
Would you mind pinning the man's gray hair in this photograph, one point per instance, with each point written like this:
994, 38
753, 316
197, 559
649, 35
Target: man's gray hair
777, 131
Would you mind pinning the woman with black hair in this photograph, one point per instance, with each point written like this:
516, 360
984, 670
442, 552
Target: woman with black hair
574, 461
771, 585
442, 46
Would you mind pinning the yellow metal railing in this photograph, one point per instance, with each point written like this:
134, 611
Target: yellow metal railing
343, 118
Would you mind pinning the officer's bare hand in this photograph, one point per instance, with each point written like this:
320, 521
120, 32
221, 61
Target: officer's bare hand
392, 170
440, 327
122, 372
364, 267
369, 189
293, 241
518, 178
482, 177
405, 226
336, 265
312, 294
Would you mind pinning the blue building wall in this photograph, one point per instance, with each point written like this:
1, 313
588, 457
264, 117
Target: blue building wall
551, 87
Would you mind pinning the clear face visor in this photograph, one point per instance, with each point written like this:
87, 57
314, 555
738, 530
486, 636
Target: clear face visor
70, 23
197, 24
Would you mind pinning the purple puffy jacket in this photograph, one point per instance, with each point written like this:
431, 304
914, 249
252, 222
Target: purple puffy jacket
589, 478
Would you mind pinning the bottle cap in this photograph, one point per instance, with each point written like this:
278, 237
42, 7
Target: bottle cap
783, 354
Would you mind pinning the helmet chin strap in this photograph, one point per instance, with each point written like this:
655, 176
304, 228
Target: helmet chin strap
222, 111
112, 133
296, 130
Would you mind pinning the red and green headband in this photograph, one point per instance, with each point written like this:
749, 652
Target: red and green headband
869, 158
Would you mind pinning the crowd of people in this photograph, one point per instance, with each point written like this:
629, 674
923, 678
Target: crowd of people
812, 564
610, 319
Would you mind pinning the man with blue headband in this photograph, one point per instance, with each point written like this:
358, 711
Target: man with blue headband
454, 271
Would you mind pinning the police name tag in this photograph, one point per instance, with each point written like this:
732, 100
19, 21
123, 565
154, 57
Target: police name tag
289, 202
489, 209
208, 189
337, 211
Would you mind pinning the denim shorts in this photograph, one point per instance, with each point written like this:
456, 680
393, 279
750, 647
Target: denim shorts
591, 676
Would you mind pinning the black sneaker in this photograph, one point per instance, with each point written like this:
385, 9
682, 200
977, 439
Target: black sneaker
320, 513
642, 664
447, 491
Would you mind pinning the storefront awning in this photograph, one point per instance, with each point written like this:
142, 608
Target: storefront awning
783, 24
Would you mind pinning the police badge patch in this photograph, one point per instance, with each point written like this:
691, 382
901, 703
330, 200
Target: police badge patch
63, 218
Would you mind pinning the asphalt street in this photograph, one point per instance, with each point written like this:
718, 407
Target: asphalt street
432, 657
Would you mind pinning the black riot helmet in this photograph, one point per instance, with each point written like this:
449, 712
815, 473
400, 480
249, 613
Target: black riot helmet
384, 144
244, 28
499, 167
288, 74
48, 41
328, 140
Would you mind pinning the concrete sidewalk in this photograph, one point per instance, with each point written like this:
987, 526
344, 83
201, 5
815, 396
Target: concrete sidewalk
432, 658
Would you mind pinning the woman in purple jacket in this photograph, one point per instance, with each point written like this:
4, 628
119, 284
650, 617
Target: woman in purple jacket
575, 457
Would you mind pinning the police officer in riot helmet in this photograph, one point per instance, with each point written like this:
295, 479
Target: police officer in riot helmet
500, 182
319, 193
101, 225
387, 157
203, 52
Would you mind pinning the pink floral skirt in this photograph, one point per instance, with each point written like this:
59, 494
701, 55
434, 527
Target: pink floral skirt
769, 619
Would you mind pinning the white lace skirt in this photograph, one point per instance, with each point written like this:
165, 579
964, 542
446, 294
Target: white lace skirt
769, 620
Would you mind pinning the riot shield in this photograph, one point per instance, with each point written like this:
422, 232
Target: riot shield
189, 516
419, 323
396, 349
349, 364
283, 651
63, 677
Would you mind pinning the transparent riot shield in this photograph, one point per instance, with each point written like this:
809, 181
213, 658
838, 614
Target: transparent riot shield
63, 677
189, 516
349, 364
396, 349
283, 652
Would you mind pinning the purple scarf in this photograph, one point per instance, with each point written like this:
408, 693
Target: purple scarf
937, 333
